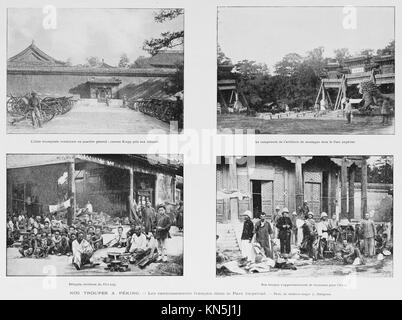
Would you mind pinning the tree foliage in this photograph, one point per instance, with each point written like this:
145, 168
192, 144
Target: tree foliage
176, 81
167, 39
341, 54
294, 80
93, 61
389, 49
124, 61
141, 62
222, 59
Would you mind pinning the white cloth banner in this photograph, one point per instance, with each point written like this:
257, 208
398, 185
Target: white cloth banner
57, 207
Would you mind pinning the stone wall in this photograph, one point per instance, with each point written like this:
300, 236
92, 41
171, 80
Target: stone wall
76, 84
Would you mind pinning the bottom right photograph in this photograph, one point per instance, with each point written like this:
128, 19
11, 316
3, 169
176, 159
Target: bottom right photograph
304, 216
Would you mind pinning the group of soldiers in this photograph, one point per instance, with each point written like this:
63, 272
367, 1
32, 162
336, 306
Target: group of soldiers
313, 239
41, 236
44, 235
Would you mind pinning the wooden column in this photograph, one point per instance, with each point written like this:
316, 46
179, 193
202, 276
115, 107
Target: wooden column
71, 192
174, 189
232, 174
364, 187
131, 186
234, 202
352, 171
344, 189
299, 183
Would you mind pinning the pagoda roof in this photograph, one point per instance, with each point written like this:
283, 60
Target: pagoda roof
361, 58
32, 55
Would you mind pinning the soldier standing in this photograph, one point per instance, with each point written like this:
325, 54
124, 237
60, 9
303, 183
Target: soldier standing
34, 107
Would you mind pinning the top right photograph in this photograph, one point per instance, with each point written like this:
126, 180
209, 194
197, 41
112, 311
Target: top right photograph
306, 70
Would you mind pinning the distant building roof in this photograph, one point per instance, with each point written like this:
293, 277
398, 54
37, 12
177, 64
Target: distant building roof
384, 58
106, 80
32, 55
103, 64
356, 59
167, 59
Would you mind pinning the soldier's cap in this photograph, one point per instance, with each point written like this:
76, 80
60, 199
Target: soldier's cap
285, 210
310, 214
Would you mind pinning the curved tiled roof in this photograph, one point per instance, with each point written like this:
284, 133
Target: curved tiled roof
32, 55
32, 60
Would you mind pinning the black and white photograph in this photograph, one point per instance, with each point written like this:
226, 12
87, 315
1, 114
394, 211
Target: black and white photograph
94, 215
306, 70
304, 216
95, 71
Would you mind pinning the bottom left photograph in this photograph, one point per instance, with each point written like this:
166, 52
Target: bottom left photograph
95, 215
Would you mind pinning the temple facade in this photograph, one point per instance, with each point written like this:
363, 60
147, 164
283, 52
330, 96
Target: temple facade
262, 183
109, 182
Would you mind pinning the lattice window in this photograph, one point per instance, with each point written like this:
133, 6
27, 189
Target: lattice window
279, 189
311, 176
219, 179
242, 180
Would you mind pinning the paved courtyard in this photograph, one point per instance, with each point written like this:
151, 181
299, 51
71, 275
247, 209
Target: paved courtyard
93, 118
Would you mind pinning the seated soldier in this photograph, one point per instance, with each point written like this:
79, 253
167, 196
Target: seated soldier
61, 246
38, 222
82, 251
131, 231
97, 239
349, 253
129, 235
120, 239
382, 243
71, 238
138, 242
152, 243
10, 232
41, 248
71, 229
46, 228
50, 243
91, 230
26, 249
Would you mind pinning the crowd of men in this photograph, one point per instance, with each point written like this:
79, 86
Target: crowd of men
43, 235
325, 238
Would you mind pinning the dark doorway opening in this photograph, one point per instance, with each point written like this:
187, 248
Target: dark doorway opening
257, 198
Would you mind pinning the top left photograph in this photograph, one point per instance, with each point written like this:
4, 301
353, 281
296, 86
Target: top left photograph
95, 71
